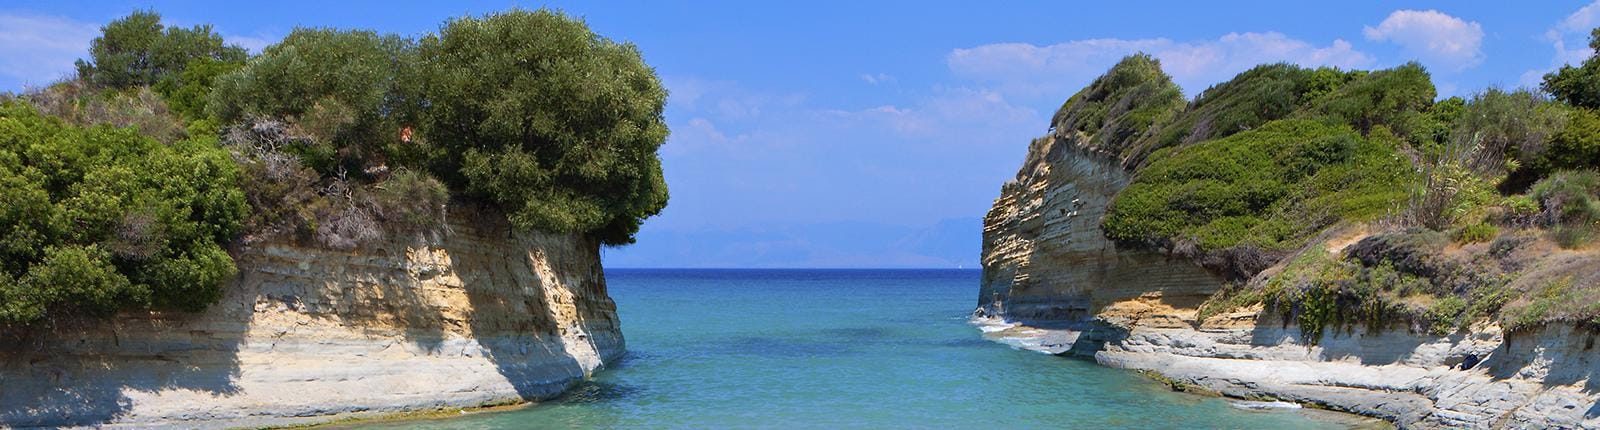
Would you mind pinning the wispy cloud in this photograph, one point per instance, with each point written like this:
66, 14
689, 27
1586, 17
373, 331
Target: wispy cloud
1569, 39
1020, 68
947, 112
877, 78
36, 50
1435, 38
252, 43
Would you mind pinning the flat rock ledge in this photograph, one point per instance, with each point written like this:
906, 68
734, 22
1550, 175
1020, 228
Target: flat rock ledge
1484, 380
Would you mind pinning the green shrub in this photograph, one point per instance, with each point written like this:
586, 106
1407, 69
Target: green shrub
1500, 129
555, 125
189, 91
1476, 233
1572, 236
1519, 209
411, 200
102, 219
1558, 299
1120, 105
1270, 187
1446, 315
1430, 131
1575, 147
1261, 94
136, 50
1569, 205
1389, 98
1450, 191
336, 87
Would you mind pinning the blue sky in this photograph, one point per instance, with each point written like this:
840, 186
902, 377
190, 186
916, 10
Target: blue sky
876, 134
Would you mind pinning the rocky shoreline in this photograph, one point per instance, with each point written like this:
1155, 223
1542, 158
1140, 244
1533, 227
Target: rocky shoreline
1480, 380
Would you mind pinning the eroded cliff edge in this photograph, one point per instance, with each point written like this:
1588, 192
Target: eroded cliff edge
472, 316
1052, 273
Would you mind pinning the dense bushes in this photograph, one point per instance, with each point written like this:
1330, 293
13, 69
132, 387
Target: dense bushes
528, 111
1261, 94
120, 188
336, 88
1236, 183
1389, 98
1253, 168
1570, 204
100, 219
536, 114
1120, 106
1268, 188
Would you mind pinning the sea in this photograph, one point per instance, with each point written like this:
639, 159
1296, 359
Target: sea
845, 349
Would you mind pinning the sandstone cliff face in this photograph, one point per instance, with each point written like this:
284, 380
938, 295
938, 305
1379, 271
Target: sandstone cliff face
1045, 258
1052, 276
468, 318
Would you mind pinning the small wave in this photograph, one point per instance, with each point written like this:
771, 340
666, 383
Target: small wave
1261, 406
991, 325
1013, 334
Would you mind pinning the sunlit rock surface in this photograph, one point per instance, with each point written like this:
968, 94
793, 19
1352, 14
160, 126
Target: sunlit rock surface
467, 317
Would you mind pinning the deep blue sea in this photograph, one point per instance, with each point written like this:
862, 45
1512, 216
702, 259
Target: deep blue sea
843, 349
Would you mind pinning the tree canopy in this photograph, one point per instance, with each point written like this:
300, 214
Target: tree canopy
137, 50
532, 111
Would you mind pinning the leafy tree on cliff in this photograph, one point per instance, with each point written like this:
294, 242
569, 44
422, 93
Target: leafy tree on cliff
137, 50
337, 87
1578, 86
533, 112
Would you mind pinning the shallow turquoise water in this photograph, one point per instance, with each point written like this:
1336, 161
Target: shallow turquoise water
842, 349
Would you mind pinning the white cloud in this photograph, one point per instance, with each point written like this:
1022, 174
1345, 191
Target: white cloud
948, 112
725, 99
1434, 37
36, 50
1570, 39
1028, 70
879, 78
252, 43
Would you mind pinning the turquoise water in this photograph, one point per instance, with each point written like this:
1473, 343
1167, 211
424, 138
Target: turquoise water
834, 349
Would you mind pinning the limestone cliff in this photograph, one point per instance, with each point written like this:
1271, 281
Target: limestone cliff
1045, 258
470, 317
1054, 278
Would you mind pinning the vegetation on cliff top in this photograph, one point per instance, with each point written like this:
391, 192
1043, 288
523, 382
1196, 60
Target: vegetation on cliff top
1461, 192
125, 184
98, 219
1298, 150
1263, 191
1119, 106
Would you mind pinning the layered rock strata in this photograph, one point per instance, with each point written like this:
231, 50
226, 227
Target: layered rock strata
1051, 274
470, 317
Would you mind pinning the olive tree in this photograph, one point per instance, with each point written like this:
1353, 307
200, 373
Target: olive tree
533, 112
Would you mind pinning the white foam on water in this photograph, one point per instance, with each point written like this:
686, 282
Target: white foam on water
1259, 406
1024, 338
